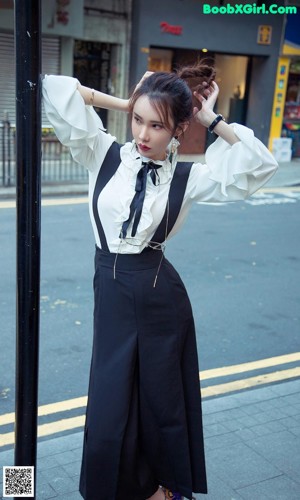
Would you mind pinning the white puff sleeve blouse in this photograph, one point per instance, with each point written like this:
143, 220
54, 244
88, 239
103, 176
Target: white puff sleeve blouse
230, 173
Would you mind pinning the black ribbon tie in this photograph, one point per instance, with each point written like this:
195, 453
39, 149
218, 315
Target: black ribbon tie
137, 203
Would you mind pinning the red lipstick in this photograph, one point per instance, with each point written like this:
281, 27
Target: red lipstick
144, 148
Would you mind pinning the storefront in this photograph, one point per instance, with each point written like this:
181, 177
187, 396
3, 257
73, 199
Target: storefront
79, 39
243, 48
286, 107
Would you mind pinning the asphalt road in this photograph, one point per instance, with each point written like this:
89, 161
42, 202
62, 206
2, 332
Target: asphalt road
240, 264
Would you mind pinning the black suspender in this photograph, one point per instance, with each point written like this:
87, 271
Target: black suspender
106, 172
177, 189
176, 194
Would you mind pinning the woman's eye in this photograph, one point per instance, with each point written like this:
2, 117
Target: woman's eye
156, 126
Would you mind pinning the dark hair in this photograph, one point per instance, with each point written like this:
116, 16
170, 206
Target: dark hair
172, 93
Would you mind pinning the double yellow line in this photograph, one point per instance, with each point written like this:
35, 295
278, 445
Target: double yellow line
213, 390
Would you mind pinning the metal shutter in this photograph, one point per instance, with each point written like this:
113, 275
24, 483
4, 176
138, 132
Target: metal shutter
50, 65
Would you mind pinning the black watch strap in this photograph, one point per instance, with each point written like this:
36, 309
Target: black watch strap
215, 122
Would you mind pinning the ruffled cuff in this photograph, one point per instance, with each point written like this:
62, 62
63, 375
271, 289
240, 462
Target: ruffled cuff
245, 166
71, 118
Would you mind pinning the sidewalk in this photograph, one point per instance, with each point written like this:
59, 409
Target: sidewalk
288, 174
252, 442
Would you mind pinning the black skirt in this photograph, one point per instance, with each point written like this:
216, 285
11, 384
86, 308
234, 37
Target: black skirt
143, 420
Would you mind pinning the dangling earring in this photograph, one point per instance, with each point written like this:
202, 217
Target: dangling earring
173, 149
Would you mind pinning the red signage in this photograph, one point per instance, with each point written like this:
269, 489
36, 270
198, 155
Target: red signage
168, 28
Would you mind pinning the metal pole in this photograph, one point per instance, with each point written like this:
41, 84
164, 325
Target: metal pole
28, 166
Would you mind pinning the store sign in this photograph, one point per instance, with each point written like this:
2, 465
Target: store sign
264, 35
169, 28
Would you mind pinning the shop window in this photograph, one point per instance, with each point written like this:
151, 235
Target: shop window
291, 120
232, 79
92, 67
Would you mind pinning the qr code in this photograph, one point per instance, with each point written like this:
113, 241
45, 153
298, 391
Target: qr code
18, 481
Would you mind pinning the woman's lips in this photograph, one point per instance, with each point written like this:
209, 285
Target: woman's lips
143, 147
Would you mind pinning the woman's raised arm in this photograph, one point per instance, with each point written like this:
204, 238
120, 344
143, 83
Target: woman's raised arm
101, 100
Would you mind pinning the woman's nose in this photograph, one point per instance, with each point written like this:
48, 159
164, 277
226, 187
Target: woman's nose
143, 133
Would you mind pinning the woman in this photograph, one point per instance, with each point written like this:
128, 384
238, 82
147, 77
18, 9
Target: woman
143, 432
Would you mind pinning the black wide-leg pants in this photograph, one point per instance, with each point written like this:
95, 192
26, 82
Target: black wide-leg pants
143, 419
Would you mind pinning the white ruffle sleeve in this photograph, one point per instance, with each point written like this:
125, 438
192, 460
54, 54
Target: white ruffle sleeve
76, 124
234, 172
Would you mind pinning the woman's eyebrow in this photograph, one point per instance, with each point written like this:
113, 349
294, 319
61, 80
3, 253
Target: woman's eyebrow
151, 121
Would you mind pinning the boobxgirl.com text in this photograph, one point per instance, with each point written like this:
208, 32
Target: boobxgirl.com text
249, 8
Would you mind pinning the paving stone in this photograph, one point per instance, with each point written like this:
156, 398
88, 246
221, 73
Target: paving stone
239, 465
47, 462
255, 396
219, 404
295, 430
60, 444
252, 409
55, 472
213, 418
233, 425
44, 490
278, 402
268, 428
295, 476
235, 413
245, 434
73, 469
75, 495
66, 457
268, 416
262, 406
63, 485
289, 422
281, 449
214, 430
249, 421
290, 410
223, 440
291, 387
297, 405
278, 488
217, 490
6, 458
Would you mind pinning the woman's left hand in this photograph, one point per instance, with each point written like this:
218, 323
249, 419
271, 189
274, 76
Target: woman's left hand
205, 114
145, 75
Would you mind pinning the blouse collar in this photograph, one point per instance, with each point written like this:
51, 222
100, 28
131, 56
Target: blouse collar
133, 160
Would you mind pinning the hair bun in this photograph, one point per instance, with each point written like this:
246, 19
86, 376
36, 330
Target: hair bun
196, 75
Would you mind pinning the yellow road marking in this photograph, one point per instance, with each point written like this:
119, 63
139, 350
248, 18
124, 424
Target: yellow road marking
252, 365
47, 429
50, 202
81, 401
49, 409
237, 385
76, 422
